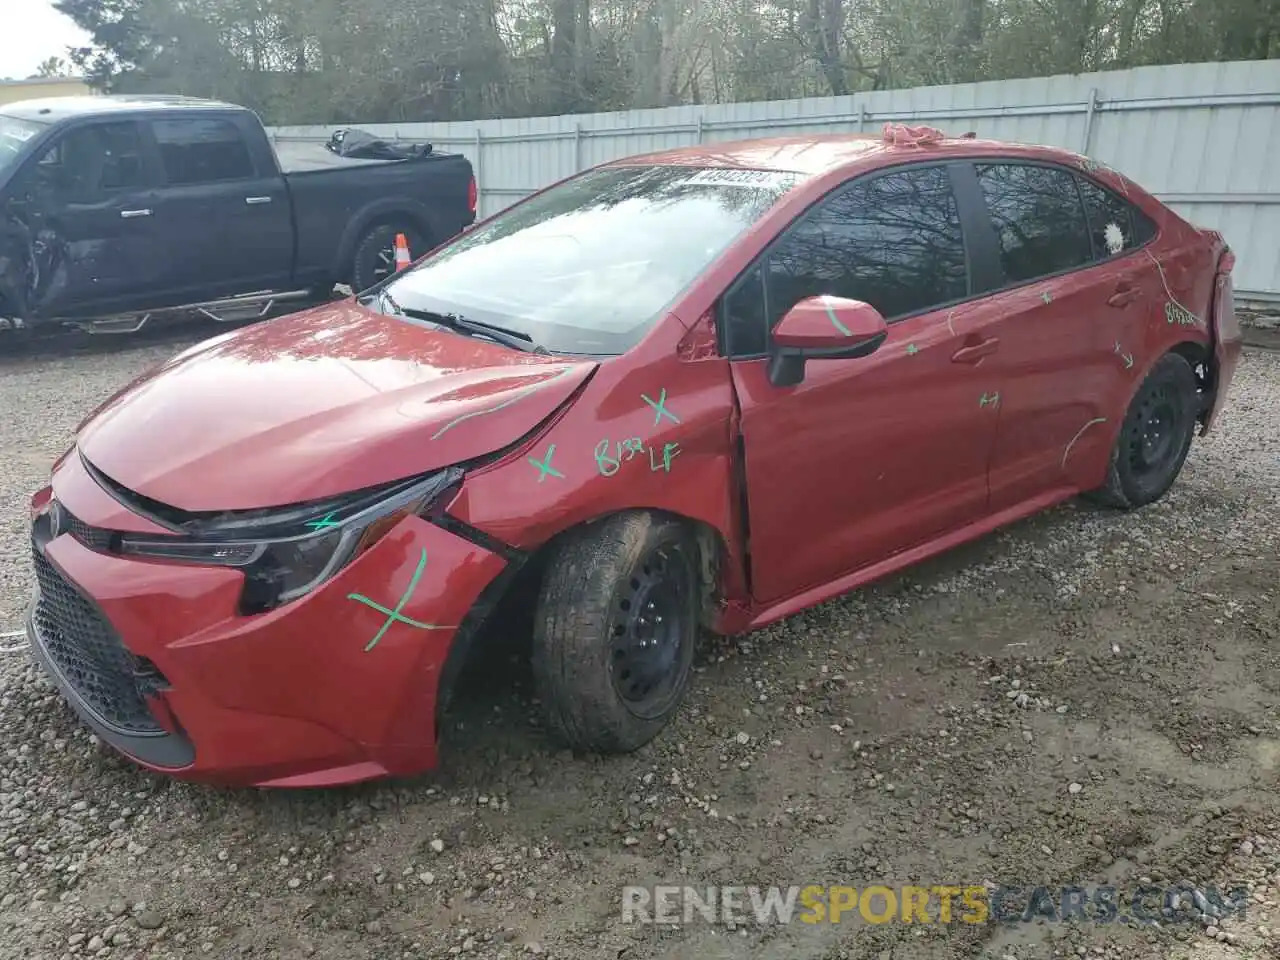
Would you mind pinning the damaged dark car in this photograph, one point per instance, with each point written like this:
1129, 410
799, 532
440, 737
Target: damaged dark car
117, 210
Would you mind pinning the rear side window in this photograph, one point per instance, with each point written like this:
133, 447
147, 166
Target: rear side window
202, 151
1038, 218
1115, 225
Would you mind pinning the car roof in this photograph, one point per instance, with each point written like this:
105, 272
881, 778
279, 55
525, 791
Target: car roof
813, 155
53, 109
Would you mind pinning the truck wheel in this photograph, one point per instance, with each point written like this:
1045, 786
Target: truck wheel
1155, 437
375, 253
615, 629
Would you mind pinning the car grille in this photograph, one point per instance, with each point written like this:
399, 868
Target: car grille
86, 650
92, 537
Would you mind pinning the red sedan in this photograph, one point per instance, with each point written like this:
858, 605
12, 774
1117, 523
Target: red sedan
705, 388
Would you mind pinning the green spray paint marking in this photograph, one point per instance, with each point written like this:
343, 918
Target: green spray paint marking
984, 399
836, 320
1126, 357
1047, 297
1174, 312
669, 453
500, 406
660, 408
912, 349
325, 522
544, 465
395, 616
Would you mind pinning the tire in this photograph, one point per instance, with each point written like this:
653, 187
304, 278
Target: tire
600, 690
1155, 437
374, 255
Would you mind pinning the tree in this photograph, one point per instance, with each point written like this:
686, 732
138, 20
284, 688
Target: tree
52, 67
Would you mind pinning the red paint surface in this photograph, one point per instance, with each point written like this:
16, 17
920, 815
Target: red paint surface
963, 420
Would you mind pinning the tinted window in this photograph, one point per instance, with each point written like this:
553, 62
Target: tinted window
202, 151
1114, 224
1038, 219
590, 265
90, 161
893, 241
743, 313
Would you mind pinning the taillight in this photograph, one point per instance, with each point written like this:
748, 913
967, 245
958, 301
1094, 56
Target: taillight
473, 195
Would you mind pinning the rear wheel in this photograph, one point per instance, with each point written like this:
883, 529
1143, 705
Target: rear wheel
615, 631
1155, 437
375, 253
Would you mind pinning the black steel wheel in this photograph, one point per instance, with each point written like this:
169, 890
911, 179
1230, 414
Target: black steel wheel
1155, 436
615, 631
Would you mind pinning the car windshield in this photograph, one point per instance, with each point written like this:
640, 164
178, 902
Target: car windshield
591, 264
14, 133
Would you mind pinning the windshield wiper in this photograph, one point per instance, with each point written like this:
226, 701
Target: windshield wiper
508, 338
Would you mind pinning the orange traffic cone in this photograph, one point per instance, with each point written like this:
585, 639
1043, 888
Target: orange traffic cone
402, 252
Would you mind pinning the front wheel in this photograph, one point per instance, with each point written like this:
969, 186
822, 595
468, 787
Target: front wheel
375, 253
615, 630
1155, 436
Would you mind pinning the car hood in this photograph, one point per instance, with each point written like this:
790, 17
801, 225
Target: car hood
318, 404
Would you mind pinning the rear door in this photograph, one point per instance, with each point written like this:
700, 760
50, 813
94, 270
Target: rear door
1064, 320
224, 211
88, 200
864, 458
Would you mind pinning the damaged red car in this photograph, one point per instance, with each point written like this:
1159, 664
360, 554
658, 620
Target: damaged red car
697, 390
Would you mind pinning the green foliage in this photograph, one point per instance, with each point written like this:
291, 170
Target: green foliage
338, 61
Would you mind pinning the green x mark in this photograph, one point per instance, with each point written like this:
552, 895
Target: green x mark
395, 616
325, 522
912, 349
659, 407
544, 465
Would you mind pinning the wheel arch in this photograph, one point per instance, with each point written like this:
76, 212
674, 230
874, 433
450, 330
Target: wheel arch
378, 214
516, 589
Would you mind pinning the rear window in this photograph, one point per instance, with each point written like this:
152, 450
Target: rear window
590, 265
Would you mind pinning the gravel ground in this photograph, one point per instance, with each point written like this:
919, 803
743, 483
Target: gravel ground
1087, 697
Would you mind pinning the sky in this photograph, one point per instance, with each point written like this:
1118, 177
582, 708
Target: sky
32, 32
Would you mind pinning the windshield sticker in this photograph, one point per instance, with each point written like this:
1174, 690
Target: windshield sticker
544, 467
726, 177
528, 391
1126, 357
660, 408
395, 616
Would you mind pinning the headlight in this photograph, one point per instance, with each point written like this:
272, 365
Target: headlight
297, 548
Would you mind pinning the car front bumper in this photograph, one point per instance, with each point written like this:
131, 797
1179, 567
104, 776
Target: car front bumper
336, 687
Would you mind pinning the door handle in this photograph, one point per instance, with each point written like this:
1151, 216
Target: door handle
1125, 293
257, 199
975, 352
133, 214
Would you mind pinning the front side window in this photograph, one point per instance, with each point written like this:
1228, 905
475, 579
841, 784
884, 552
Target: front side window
202, 151
1038, 219
88, 163
893, 241
591, 264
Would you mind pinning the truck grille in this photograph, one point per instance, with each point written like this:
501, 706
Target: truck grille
86, 650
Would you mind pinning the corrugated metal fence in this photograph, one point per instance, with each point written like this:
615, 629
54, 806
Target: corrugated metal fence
1202, 137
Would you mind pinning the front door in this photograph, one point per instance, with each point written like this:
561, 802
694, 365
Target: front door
864, 458
88, 203
228, 216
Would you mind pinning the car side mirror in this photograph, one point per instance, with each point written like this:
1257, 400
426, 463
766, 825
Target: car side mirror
823, 328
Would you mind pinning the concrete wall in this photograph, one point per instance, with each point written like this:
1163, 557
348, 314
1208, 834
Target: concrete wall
14, 90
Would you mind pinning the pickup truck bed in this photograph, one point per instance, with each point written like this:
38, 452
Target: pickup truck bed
114, 206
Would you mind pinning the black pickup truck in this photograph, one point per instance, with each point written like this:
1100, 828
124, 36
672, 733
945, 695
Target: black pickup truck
117, 209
